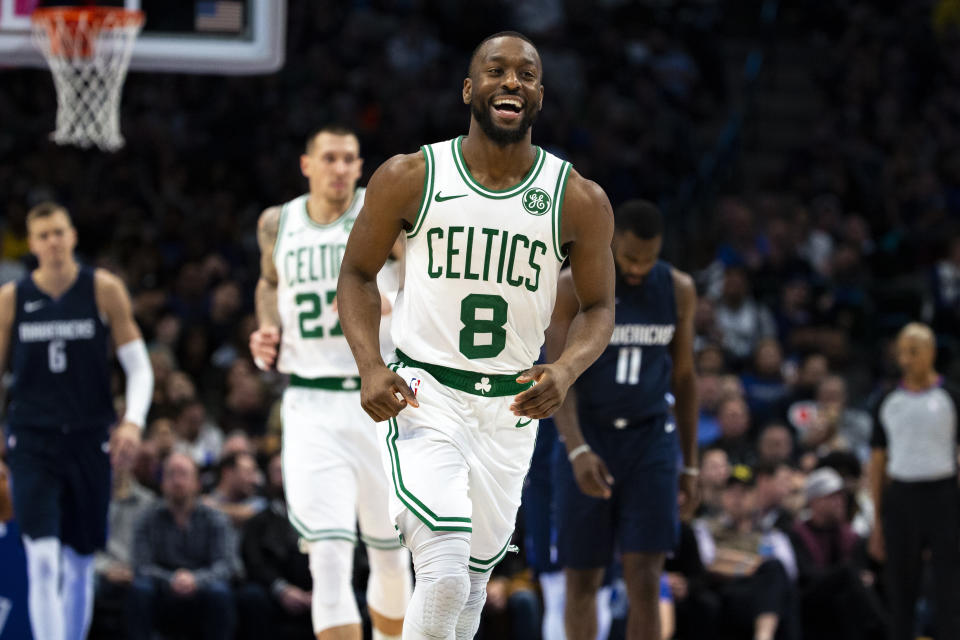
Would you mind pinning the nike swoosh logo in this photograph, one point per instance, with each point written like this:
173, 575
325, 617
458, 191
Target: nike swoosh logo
520, 423
440, 198
32, 305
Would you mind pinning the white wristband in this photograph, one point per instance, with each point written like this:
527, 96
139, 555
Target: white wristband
577, 451
690, 471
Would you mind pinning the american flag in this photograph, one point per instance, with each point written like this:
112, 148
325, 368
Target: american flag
219, 16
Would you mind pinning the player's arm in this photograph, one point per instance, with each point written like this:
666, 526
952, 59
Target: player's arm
114, 302
264, 341
8, 311
587, 232
591, 473
684, 384
390, 206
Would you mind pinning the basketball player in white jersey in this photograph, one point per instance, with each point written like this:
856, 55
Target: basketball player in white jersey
332, 473
489, 219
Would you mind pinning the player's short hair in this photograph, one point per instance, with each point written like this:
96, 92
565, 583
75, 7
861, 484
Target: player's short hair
642, 218
333, 129
498, 34
45, 210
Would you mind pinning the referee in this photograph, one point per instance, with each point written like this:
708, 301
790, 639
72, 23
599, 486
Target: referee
913, 471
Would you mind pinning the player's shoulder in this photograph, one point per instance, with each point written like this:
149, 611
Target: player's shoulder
403, 167
581, 192
108, 287
270, 217
682, 282
8, 300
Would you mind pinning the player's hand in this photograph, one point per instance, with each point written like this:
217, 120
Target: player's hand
689, 496
263, 346
124, 442
383, 394
183, 583
592, 476
544, 397
877, 545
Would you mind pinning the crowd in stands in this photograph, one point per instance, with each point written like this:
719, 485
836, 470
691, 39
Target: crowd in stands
805, 285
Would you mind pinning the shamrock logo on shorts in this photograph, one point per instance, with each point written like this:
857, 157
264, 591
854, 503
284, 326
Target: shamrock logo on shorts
483, 386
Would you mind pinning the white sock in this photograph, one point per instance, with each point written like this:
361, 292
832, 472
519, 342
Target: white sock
43, 596
554, 588
77, 593
380, 635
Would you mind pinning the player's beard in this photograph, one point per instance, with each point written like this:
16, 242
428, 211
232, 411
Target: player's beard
500, 135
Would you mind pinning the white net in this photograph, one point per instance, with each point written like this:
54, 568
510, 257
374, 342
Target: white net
88, 52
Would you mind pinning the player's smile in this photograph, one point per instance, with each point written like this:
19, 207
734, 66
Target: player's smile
508, 108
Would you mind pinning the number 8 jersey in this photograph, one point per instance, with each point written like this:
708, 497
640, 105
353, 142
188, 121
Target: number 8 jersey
481, 268
307, 256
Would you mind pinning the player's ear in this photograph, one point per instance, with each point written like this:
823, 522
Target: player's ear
467, 89
540, 106
305, 165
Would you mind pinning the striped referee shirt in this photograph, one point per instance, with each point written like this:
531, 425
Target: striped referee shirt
918, 429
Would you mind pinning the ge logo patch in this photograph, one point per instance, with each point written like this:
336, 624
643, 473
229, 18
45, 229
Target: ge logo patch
536, 201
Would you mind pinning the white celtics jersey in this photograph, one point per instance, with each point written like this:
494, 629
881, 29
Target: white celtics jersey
480, 275
307, 256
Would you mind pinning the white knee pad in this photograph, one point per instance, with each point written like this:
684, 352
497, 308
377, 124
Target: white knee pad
469, 619
44, 601
390, 584
331, 566
443, 583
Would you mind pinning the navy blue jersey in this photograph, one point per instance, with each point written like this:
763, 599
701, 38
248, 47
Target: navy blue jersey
59, 351
629, 382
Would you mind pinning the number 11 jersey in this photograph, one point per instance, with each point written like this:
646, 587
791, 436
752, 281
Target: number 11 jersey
481, 266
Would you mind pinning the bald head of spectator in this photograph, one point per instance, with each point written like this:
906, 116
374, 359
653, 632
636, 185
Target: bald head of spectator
733, 417
775, 443
181, 483
916, 352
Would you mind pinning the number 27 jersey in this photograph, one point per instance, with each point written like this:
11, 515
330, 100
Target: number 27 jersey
481, 267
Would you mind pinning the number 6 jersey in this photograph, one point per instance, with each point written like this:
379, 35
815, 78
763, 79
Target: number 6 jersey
480, 275
58, 356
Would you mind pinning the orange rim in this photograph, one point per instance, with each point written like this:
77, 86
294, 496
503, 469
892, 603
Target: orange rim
91, 15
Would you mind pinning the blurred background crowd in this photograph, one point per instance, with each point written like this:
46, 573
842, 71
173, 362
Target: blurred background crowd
807, 157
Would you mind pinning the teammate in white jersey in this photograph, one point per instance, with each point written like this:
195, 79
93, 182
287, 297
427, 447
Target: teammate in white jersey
332, 474
489, 219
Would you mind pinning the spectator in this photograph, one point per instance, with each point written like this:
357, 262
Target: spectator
836, 601
183, 558
742, 321
797, 407
708, 395
697, 608
854, 426
273, 560
751, 569
772, 487
915, 447
714, 473
775, 444
196, 435
764, 385
114, 564
235, 495
734, 419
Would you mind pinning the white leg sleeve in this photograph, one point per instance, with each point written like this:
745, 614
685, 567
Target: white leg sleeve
331, 566
554, 588
43, 596
469, 619
604, 615
390, 583
77, 593
443, 584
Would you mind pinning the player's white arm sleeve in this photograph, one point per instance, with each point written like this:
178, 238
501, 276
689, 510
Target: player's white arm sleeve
136, 365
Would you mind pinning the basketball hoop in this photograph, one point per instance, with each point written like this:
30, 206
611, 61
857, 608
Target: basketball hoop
88, 50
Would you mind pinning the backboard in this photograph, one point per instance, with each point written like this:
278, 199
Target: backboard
187, 36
